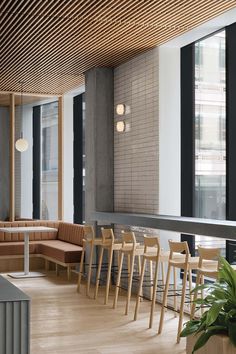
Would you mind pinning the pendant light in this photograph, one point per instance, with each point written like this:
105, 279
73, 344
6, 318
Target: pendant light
21, 143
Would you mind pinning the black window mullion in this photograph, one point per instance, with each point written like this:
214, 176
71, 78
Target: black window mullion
230, 135
187, 137
36, 162
78, 158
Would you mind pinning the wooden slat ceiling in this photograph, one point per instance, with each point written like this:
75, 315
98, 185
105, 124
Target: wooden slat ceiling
49, 44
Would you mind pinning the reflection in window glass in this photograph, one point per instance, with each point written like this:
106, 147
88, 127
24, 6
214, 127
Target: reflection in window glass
210, 145
49, 157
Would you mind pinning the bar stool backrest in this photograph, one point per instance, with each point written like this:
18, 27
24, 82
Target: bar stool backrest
179, 247
151, 242
107, 236
208, 254
89, 233
128, 238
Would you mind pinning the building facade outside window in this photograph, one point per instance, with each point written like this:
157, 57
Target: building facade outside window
49, 161
210, 128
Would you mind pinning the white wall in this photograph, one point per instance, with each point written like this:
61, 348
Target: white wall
169, 136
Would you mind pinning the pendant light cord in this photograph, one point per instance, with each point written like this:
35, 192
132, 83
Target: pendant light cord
21, 106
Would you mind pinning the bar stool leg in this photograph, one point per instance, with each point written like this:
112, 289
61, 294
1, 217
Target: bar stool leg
153, 296
128, 264
90, 269
162, 276
130, 284
151, 280
181, 311
118, 280
68, 273
175, 292
81, 268
139, 289
163, 273
190, 285
195, 295
139, 273
110, 257
57, 269
202, 292
164, 301
98, 272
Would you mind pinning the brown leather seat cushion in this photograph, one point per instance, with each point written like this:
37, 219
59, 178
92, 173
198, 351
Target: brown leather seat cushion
15, 248
62, 251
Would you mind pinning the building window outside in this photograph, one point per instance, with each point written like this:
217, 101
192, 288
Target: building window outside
49, 161
210, 126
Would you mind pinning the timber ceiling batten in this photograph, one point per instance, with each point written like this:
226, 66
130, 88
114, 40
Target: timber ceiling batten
51, 43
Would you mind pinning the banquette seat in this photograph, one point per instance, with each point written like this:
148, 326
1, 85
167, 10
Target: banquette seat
63, 247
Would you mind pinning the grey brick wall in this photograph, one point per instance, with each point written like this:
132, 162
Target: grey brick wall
136, 151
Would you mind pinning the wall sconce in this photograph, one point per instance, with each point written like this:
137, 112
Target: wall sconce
120, 109
120, 126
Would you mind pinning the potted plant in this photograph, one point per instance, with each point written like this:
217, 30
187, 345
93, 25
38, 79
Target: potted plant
220, 318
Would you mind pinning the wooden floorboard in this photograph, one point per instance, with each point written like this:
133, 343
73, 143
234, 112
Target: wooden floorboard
63, 321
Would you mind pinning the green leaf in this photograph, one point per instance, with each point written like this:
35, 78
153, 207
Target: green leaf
217, 328
228, 274
187, 331
201, 287
202, 340
214, 311
200, 301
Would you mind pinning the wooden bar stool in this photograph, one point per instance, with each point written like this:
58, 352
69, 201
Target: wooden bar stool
110, 244
208, 266
92, 241
181, 262
131, 249
151, 254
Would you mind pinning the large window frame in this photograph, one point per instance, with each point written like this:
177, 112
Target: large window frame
188, 137
39, 167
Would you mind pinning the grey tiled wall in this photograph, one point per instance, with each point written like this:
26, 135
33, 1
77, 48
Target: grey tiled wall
136, 150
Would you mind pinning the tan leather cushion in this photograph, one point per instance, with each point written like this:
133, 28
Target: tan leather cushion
15, 248
33, 236
72, 233
62, 251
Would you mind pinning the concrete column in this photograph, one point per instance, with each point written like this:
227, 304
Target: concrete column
99, 141
99, 146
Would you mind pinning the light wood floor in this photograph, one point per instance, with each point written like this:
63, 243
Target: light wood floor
64, 322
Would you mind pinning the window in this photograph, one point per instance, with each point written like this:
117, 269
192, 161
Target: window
79, 158
49, 161
210, 144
